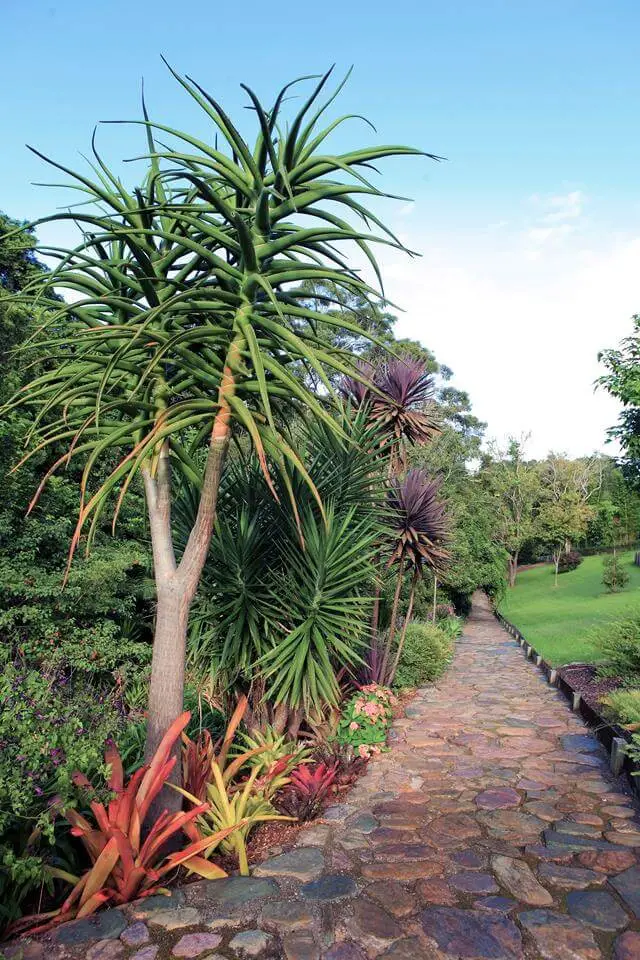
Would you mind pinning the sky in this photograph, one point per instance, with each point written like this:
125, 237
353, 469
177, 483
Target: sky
529, 230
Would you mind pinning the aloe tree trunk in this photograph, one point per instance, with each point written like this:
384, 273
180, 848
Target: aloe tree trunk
177, 583
176, 587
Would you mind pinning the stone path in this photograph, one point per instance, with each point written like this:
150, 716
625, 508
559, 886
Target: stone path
492, 829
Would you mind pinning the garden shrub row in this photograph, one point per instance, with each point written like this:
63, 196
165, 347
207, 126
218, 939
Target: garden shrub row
428, 649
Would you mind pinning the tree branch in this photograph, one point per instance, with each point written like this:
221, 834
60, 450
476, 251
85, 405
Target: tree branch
158, 496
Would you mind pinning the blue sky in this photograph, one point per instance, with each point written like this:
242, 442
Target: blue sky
531, 229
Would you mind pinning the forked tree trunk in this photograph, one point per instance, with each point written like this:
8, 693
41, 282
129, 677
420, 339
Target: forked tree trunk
513, 568
177, 583
176, 587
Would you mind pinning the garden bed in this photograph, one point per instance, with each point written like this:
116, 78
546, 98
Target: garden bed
610, 734
583, 679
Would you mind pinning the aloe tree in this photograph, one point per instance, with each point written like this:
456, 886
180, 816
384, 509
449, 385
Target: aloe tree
187, 323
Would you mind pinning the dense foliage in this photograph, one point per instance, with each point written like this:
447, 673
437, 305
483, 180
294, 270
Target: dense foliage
428, 648
619, 648
622, 381
69, 659
569, 561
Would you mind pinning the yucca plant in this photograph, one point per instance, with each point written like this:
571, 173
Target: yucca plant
327, 600
419, 538
188, 321
261, 583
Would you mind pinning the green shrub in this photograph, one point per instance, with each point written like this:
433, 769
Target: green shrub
624, 705
427, 651
50, 726
614, 576
619, 644
451, 627
569, 561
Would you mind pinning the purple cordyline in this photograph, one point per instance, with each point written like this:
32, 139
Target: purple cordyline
419, 521
420, 533
400, 395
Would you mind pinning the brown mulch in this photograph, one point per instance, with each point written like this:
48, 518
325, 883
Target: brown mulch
584, 678
268, 835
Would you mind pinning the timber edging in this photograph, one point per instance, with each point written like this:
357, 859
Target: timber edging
613, 737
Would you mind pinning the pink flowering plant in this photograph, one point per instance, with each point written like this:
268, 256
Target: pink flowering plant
365, 720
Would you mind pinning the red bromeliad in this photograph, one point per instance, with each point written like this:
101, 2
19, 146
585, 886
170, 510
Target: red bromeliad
309, 787
127, 864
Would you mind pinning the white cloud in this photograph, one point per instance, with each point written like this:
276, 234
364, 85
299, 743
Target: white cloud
522, 333
557, 217
566, 206
541, 235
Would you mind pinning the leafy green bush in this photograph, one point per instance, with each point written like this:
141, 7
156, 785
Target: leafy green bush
569, 561
69, 659
365, 720
50, 726
427, 651
624, 705
451, 626
444, 611
619, 644
614, 576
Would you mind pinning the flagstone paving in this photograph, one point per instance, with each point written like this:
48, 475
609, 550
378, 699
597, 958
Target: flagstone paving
492, 830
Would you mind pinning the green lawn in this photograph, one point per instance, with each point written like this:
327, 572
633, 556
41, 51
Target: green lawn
558, 622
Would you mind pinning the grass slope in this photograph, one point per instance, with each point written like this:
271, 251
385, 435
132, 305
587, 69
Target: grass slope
558, 622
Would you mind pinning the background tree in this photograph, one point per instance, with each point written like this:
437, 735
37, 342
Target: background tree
477, 560
561, 520
514, 485
622, 381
